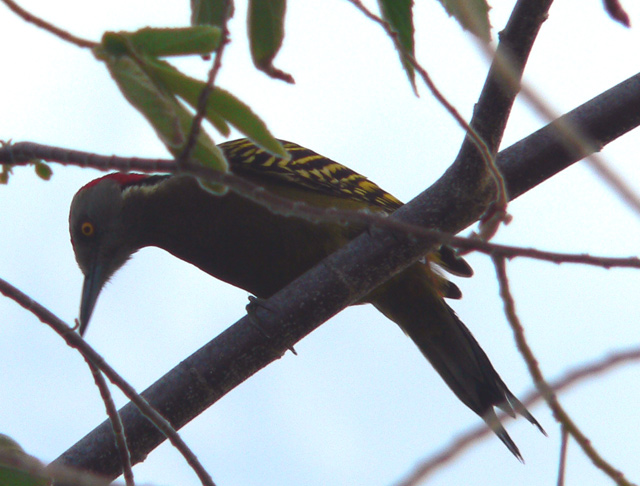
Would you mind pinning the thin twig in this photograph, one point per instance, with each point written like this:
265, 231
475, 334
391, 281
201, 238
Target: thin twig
23, 152
43, 24
562, 463
573, 138
160, 165
483, 149
428, 466
116, 423
75, 341
511, 252
615, 181
536, 373
196, 123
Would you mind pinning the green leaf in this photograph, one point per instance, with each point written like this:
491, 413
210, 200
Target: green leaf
187, 88
266, 32
220, 104
169, 118
157, 106
399, 15
472, 15
18, 476
242, 117
43, 171
18, 468
202, 39
211, 12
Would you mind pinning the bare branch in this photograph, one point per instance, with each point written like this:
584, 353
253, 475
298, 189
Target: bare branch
524, 165
196, 123
545, 390
24, 152
75, 341
564, 445
484, 151
116, 423
451, 204
513, 252
574, 139
43, 24
443, 457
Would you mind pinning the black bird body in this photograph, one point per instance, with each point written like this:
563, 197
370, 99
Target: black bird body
245, 244
254, 248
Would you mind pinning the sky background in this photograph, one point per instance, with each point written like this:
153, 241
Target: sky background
359, 405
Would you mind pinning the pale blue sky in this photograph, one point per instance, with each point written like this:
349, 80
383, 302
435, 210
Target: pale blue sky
359, 405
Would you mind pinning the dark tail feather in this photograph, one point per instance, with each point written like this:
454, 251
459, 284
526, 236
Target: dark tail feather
515, 406
495, 425
511, 406
447, 258
410, 300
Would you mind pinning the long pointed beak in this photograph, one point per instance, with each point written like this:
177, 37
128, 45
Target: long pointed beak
93, 282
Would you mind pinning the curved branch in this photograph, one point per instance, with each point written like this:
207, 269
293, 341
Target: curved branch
75, 341
601, 120
43, 24
242, 350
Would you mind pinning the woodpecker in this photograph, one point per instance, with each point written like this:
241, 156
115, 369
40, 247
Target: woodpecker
245, 244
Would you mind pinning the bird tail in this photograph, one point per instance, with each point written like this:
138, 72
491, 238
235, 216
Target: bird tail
412, 301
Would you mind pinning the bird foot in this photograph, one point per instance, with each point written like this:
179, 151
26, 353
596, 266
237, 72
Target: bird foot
252, 306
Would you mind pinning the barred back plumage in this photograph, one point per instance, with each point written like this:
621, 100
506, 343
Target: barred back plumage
308, 169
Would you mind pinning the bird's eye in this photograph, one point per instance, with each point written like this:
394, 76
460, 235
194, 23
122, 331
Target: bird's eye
87, 229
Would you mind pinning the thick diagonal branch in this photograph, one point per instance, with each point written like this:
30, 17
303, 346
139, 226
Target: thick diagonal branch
242, 350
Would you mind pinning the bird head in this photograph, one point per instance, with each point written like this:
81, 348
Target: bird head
99, 236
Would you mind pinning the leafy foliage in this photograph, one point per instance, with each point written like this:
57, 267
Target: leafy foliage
16, 467
266, 33
154, 87
472, 15
211, 12
399, 14
170, 119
